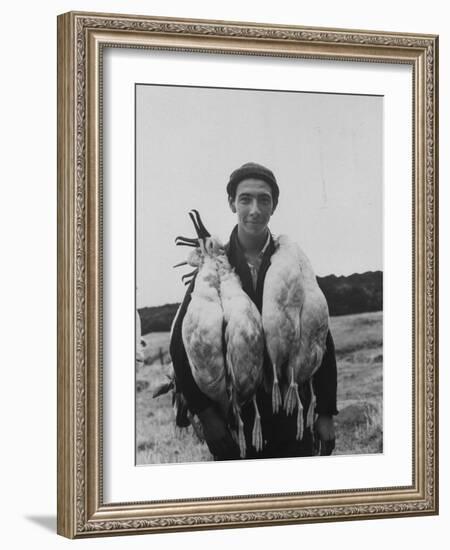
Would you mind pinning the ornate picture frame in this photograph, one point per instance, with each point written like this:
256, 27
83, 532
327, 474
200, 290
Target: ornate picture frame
82, 41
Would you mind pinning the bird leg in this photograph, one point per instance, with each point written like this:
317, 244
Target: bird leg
276, 394
235, 406
292, 396
241, 435
311, 409
257, 439
292, 399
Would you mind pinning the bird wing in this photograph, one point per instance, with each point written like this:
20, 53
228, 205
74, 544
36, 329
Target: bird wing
307, 310
202, 338
282, 302
314, 322
245, 348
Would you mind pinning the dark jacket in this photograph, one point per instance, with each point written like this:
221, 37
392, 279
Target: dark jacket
278, 430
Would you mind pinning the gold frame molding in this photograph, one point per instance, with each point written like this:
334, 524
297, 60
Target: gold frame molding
81, 37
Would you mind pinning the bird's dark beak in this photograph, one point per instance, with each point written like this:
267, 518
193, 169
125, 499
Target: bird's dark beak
186, 241
201, 230
180, 264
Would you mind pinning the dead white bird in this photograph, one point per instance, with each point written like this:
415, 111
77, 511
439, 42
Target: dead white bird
295, 322
244, 349
282, 301
202, 329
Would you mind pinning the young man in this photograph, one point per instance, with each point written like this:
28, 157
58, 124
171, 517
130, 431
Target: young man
253, 196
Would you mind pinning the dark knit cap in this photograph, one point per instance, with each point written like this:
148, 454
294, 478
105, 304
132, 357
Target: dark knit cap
257, 171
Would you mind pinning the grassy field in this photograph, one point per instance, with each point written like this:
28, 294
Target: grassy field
359, 424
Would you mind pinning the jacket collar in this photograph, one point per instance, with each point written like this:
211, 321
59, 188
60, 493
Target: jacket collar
238, 260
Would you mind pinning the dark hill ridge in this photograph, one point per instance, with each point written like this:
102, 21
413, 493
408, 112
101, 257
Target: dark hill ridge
356, 293
158, 318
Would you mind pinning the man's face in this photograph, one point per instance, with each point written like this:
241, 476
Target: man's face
253, 205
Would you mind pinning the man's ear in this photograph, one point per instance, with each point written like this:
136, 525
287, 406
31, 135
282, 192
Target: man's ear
232, 203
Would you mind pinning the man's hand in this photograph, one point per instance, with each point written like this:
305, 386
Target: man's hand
217, 435
325, 436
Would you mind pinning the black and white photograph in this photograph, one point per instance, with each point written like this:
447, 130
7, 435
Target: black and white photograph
259, 274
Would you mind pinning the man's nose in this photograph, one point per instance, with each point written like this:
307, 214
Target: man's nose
254, 207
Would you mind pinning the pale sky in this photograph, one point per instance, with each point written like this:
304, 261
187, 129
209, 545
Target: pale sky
324, 149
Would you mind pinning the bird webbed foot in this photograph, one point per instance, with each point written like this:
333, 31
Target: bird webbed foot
292, 400
241, 437
300, 423
311, 409
257, 438
276, 397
